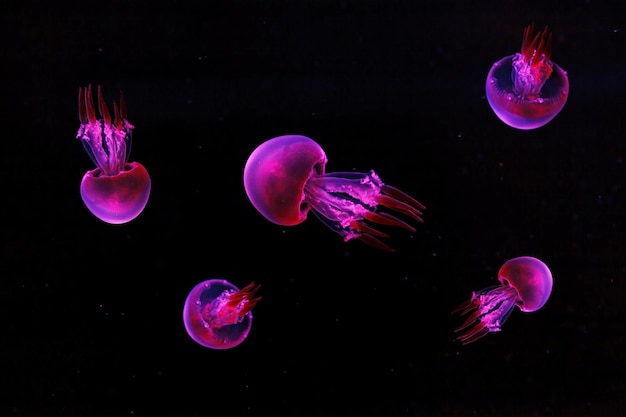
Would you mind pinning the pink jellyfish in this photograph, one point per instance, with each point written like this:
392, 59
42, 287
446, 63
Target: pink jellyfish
218, 315
116, 191
284, 178
526, 90
526, 282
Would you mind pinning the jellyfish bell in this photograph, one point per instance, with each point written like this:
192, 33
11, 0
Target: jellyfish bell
116, 199
532, 280
275, 176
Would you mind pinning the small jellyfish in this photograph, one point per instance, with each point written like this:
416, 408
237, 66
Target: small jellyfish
526, 282
116, 191
285, 178
527, 90
218, 315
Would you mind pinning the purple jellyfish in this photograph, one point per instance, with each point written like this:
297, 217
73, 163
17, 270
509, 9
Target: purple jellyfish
284, 178
526, 90
117, 190
218, 315
526, 282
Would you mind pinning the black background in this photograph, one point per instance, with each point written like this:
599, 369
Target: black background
91, 320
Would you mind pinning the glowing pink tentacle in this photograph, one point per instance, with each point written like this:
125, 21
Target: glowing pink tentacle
90, 110
400, 206
401, 195
476, 333
102, 107
375, 242
388, 219
243, 294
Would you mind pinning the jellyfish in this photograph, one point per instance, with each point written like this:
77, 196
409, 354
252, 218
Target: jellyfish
218, 315
527, 90
117, 190
285, 179
525, 282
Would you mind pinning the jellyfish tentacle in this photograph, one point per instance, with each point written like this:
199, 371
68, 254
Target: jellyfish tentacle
467, 307
464, 308
231, 307
375, 242
476, 333
117, 118
544, 46
250, 289
249, 305
529, 42
245, 294
402, 196
469, 321
387, 219
471, 306
362, 227
400, 206
533, 47
82, 109
103, 108
89, 108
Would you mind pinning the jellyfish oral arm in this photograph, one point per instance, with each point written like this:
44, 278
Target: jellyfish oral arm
488, 310
532, 66
231, 307
108, 145
343, 201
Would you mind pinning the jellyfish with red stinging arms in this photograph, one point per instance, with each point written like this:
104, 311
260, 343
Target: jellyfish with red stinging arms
525, 283
218, 315
526, 90
117, 190
285, 179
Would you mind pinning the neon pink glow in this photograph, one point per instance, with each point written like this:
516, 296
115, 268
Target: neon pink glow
526, 282
285, 179
527, 90
116, 191
218, 315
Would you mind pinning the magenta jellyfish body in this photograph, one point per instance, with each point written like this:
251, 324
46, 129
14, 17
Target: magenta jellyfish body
218, 315
285, 179
117, 190
526, 282
526, 90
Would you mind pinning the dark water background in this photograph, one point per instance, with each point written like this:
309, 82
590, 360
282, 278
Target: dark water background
91, 313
